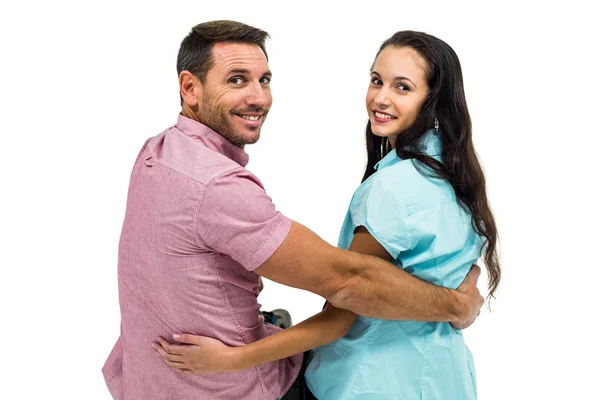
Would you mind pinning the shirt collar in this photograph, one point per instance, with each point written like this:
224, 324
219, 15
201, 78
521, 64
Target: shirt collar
212, 139
429, 144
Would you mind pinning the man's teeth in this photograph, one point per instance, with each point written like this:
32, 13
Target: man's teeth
380, 115
251, 117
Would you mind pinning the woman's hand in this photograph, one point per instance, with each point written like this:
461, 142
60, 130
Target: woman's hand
199, 354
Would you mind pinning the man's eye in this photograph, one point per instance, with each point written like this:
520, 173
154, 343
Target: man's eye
237, 80
265, 80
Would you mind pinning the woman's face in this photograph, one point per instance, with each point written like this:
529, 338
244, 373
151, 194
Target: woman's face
397, 91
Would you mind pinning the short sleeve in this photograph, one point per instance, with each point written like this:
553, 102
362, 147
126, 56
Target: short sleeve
236, 217
381, 209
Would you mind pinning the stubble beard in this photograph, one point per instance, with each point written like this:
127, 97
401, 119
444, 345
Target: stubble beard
220, 120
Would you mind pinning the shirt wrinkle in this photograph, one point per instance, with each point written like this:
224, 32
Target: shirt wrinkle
201, 200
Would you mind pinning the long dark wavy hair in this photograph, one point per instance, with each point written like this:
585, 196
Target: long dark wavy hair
445, 103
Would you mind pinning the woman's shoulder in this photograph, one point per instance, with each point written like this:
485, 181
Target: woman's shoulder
401, 172
406, 176
409, 184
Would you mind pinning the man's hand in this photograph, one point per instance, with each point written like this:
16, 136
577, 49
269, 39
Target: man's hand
471, 299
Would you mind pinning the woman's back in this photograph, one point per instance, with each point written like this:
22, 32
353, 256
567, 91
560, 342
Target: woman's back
419, 222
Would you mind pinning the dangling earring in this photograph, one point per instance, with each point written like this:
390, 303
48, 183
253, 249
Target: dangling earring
436, 125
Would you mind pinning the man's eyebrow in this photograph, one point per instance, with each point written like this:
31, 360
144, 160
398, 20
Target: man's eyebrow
242, 71
239, 71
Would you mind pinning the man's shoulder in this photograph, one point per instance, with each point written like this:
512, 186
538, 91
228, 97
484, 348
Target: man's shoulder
189, 157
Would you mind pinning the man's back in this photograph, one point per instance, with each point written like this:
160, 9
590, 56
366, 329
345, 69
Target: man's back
197, 223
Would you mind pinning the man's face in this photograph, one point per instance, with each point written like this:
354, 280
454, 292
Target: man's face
236, 96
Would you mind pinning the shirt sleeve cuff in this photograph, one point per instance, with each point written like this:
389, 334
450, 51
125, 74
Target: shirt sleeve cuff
271, 244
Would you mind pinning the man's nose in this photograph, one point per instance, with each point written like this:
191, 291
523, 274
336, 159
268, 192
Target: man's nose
258, 96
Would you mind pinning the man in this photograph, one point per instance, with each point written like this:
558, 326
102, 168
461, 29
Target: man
199, 230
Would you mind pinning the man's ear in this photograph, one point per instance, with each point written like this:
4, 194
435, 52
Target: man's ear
190, 89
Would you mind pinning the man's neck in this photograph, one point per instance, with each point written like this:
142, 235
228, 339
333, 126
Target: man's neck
192, 115
188, 114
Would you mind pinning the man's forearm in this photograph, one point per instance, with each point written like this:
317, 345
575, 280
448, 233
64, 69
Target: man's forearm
379, 289
364, 284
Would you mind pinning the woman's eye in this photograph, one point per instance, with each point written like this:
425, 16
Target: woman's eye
376, 81
404, 88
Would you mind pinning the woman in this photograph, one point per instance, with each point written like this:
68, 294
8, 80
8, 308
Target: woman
423, 206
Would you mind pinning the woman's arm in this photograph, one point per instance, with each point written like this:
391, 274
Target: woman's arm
325, 327
201, 354
206, 355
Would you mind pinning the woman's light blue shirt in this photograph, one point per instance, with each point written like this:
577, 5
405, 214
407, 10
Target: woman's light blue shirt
419, 222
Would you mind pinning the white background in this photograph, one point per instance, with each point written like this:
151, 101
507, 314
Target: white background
83, 84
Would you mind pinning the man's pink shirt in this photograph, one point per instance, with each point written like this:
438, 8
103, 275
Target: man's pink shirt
197, 224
